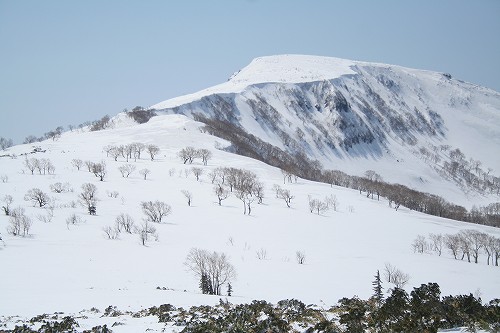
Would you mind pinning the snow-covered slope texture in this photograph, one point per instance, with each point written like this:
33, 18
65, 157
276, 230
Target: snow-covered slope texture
405, 124
69, 264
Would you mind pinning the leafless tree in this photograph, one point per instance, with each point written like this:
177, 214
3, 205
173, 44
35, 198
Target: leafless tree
395, 276
124, 222
188, 195
113, 194
155, 211
60, 187
284, 194
99, 170
221, 192
213, 269
108, 149
31, 164
400, 279
436, 243
89, 165
197, 172
318, 206
37, 196
77, 163
153, 150
4, 178
188, 154
452, 242
73, 219
332, 202
115, 152
287, 175
88, 197
476, 241
144, 172
489, 247
217, 175
300, 257
111, 233
139, 147
129, 150
465, 245
146, 231
126, 169
205, 155
261, 254
7, 200
419, 244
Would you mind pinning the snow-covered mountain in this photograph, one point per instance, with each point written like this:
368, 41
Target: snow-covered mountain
405, 124
67, 261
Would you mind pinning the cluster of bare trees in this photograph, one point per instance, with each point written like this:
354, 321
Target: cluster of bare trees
466, 172
140, 114
213, 270
244, 184
284, 194
320, 206
43, 165
189, 154
467, 244
131, 151
155, 211
37, 197
395, 276
19, 223
5, 143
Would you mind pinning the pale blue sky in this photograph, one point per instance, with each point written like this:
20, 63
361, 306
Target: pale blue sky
66, 62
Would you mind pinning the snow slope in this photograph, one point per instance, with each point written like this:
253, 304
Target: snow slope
71, 268
355, 116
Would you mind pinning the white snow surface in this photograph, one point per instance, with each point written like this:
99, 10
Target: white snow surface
72, 268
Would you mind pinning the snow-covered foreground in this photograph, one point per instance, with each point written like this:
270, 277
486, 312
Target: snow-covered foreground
71, 268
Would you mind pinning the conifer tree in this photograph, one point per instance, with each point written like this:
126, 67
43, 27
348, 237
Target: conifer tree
229, 289
378, 295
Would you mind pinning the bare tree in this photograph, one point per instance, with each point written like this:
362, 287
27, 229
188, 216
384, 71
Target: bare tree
221, 192
476, 240
77, 163
188, 154
153, 150
205, 155
111, 233
419, 244
301, 257
213, 269
436, 243
217, 175
37, 196
284, 194
99, 170
155, 211
4, 178
146, 231
60, 187
5, 143
124, 222
197, 172
188, 195
89, 165
287, 175
452, 242
88, 197
139, 147
145, 172
489, 247
7, 200
31, 164
115, 152
261, 254
129, 150
126, 169
395, 276
318, 206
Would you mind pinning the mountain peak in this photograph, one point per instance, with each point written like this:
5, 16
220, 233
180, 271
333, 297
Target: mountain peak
292, 68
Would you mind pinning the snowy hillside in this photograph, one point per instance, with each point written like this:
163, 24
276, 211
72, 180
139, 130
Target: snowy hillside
69, 265
423, 129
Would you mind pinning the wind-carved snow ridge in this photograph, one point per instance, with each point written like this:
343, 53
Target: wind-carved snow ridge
378, 116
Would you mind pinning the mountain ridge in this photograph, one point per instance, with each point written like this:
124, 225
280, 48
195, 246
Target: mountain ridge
359, 112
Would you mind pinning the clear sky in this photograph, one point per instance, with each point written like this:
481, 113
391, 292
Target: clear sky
67, 62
